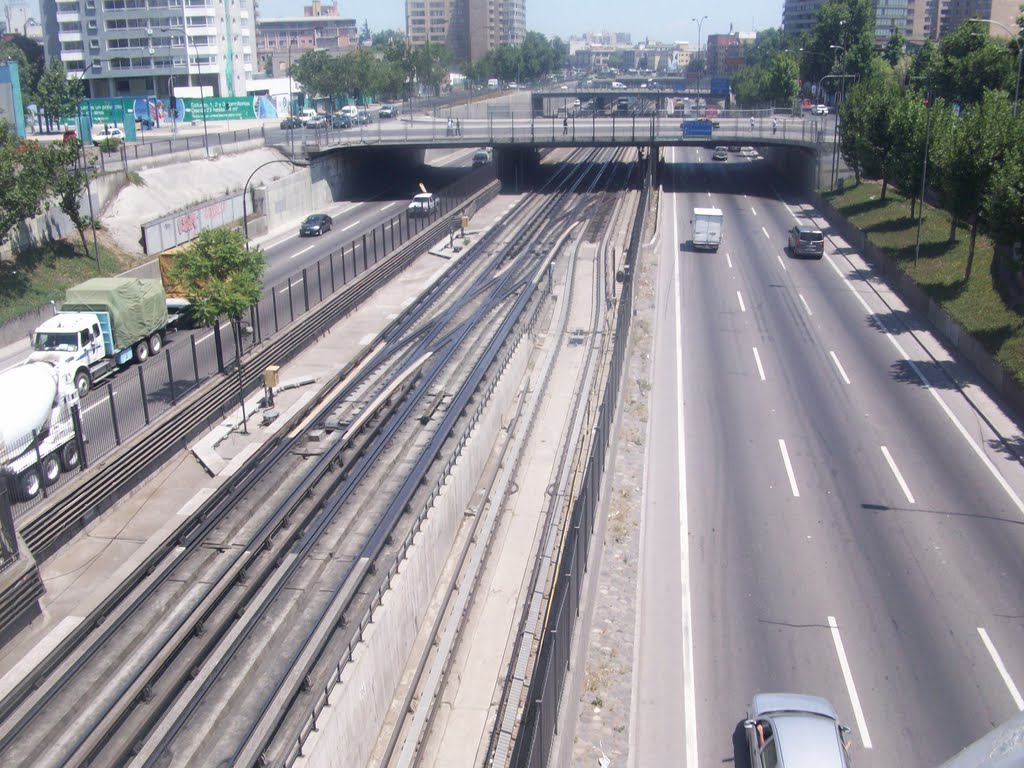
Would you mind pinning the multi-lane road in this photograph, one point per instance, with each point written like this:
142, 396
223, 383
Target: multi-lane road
826, 511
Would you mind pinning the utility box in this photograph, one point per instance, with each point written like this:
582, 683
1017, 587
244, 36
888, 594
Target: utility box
271, 376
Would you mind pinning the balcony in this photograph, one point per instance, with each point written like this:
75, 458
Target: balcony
69, 37
69, 18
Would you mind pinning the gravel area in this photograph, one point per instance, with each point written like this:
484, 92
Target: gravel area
177, 186
602, 732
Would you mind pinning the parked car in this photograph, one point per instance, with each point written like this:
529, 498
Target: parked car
720, 153
806, 241
290, 123
819, 109
316, 224
341, 121
796, 730
319, 121
104, 132
423, 204
387, 110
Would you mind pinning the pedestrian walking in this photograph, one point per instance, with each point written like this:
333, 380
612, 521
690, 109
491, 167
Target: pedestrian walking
565, 126
751, 122
458, 127
775, 126
451, 127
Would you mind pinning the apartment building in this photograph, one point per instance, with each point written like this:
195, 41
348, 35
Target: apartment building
133, 47
469, 28
1003, 11
916, 20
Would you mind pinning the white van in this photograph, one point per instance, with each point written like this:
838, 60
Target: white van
492, 83
307, 113
349, 110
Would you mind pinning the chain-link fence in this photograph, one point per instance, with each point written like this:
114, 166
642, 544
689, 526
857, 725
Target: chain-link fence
120, 407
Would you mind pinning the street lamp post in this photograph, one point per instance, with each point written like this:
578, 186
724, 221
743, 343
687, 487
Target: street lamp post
291, 131
202, 96
700, 63
835, 138
245, 193
85, 170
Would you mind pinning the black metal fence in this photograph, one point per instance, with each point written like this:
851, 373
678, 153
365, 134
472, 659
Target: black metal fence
120, 407
540, 718
8, 542
147, 148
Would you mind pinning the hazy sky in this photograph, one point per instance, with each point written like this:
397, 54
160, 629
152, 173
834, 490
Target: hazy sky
661, 20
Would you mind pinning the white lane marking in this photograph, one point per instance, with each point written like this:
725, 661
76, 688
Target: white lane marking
760, 368
858, 713
753, 209
98, 403
789, 468
285, 289
782, 263
1003, 673
935, 395
299, 253
806, 305
689, 687
839, 365
728, 260
766, 233
899, 475
353, 224
740, 297
388, 206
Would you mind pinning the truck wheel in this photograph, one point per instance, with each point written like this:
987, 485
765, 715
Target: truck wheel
156, 343
83, 383
30, 483
69, 456
51, 468
141, 352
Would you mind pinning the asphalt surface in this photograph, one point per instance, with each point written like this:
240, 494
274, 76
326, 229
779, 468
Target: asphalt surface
819, 518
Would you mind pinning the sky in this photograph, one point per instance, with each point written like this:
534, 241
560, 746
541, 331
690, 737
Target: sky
662, 20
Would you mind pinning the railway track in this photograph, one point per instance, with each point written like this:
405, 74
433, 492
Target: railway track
236, 618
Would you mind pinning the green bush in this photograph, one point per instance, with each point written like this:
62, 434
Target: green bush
110, 145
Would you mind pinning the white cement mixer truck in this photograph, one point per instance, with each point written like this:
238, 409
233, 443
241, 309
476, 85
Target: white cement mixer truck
37, 434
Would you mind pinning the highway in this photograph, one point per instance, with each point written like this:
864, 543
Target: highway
826, 512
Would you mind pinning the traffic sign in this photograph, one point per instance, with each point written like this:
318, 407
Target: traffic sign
697, 128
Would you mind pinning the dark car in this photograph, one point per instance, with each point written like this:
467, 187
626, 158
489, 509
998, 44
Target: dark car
316, 224
290, 123
341, 121
792, 729
720, 153
806, 241
363, 119
387, 111
315, 122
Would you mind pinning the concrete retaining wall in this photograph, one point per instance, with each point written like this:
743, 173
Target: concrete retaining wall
347, 729
915, 297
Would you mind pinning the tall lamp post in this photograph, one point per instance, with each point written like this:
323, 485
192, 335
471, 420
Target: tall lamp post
291, 132
1020, 57
245, 193
85, 167
835, 145
202, 96
700, 63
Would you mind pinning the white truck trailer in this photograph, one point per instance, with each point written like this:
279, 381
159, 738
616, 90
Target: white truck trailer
104, 324
707, 229
37, 433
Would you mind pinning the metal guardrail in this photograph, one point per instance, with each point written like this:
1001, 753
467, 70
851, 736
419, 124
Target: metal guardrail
136, 458
537, 730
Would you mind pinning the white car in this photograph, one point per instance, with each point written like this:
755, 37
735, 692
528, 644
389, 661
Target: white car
819, 109
423, 204
100, 134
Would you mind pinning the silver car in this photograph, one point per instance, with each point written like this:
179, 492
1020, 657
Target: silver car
806, 241
793, 730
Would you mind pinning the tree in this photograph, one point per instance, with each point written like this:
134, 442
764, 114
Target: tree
617, 60
31, 62
969, 62
24, 165
57, 97
1003, 207
67, 181
910, 126
894, 47
969, 152
388, 38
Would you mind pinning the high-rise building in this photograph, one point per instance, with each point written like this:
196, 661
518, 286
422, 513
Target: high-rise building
925, 20
133, 47
1003, 11
469, 28
800, 15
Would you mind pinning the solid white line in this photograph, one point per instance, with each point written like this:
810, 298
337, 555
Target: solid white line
285, 289
753, 209
728, 260
899, 475
781, 262
740, 297
789, 467
353, 224
806, 305
689, 686
840, 367
98, 403
935, 395
766, 233
299, 253
1003, 673
388, 206
760, 369
858, 713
